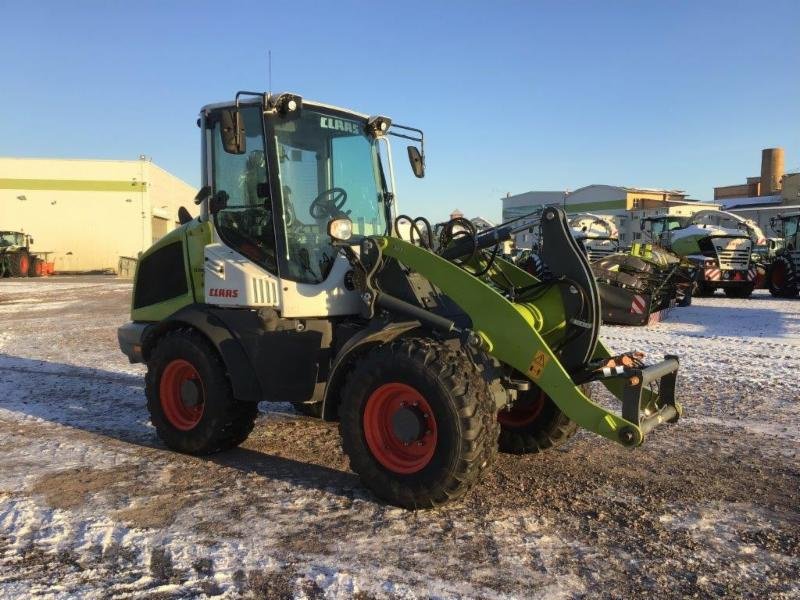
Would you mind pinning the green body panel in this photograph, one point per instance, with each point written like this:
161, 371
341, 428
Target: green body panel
198, 236
687, 245
194, 236
511, 331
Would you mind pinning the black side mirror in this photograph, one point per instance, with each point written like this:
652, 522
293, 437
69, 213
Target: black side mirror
203, 194
417, 161
219, 201
184, 216
30, 241
232, 131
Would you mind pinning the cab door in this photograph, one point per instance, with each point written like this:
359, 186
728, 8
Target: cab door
241, 208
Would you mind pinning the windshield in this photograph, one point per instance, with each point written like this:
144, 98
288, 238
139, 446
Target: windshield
328, 167
11, 238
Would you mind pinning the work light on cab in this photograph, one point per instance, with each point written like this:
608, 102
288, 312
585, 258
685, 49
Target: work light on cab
341, 229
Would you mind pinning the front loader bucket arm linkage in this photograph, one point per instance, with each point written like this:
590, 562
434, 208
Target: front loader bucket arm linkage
517, 334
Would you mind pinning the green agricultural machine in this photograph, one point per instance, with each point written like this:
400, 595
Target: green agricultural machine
637, 286
783, 270
292, 286
718, 243
15, 255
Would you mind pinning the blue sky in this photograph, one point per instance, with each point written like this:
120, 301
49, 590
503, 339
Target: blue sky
512, 96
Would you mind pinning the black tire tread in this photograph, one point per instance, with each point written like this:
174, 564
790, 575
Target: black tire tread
790, 288
237, 419
472, 400
739, 292
15, 266
552, 429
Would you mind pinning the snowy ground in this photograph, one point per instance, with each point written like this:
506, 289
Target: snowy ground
92, 505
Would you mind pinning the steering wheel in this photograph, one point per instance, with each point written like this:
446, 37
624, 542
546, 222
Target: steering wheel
325, 203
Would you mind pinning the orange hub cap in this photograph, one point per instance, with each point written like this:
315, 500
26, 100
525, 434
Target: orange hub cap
400, 428
182, 395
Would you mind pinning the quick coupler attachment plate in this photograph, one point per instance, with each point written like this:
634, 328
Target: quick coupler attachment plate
658, 409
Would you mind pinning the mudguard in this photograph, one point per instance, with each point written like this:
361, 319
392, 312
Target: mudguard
198, 316
376, 333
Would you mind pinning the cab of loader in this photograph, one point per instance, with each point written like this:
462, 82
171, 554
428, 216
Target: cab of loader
788, 228
279, 169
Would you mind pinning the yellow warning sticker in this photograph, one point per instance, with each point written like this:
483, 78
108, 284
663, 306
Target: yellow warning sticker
540, 360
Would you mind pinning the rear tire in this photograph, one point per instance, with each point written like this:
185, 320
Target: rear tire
782, 277
190, 399
19, 263
417, 422
534, 423
702, 290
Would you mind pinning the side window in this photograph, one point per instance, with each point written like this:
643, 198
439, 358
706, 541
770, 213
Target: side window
241, 184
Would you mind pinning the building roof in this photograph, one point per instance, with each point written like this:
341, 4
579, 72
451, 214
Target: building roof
728, 203
634, 190
781, 207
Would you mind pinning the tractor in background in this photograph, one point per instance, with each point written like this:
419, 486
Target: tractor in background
16, 258
783, 268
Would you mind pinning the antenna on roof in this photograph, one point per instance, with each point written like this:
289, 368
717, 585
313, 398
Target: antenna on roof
269, 70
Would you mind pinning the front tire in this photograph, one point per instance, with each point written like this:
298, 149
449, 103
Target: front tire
782, 277
702, 290
740, 292
534, 423
417, 422
19, 263
189, 397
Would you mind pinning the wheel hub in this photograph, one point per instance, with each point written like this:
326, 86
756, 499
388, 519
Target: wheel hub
182, 395
400, 428
408, 424
191, 394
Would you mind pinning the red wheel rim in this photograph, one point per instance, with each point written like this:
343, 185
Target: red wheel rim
400, 428
522, 413
24, 265
181, 413
779, 275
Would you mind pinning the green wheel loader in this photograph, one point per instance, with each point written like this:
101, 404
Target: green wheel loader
293, 286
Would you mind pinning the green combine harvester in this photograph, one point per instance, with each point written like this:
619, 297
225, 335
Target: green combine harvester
293, 286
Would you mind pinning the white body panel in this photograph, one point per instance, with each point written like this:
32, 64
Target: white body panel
230, 279
326, 299
233, 280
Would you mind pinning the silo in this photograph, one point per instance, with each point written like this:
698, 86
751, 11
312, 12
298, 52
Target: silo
771, 170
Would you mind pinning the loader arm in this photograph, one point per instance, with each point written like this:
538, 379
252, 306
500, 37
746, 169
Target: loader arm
520, 334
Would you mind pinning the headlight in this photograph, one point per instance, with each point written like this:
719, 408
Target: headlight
340, 229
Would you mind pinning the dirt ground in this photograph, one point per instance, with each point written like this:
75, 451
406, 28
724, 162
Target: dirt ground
93, 505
